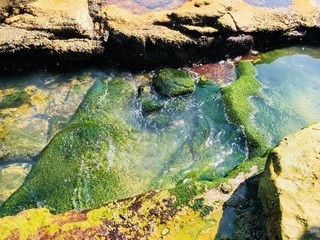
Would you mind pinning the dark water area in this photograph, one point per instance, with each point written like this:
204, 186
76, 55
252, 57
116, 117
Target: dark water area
269, 3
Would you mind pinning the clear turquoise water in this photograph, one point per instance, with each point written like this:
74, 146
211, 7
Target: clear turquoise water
290, 96
190, 138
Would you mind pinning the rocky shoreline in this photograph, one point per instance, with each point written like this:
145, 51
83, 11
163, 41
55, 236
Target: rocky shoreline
55, 33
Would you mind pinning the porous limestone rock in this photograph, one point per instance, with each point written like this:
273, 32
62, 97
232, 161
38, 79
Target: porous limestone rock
289, 189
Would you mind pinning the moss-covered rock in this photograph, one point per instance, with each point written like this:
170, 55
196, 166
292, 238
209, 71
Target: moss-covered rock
150, 105
173, 82
110, 150
191, 210
14, 99
72, 171
149, 102
239, 108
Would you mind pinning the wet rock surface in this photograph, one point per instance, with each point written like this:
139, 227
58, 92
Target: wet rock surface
50, 31
190, 211
289, 188
172, 82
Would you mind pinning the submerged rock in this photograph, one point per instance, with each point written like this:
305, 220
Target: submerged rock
14, 100
239, 108
150, 105
289, 188
173, 82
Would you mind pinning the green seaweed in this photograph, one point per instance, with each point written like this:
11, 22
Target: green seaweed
15, 99
271, 56
186, 192
239, 108
72, 172
105, 153
150, 105
173, 82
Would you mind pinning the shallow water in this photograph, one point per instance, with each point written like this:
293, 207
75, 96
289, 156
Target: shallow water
290, 94
269, 3
190, 138
27, 126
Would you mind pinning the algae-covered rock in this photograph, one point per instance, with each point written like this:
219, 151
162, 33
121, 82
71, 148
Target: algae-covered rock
11, 178
14, 99
149, 102
189, 211
72, 171
289, 188
239, 108
151, 105
111, 150
173, 82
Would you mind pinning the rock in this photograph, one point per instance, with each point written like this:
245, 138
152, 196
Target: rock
203, 29
190, 211
225, 188
150, 105
165, 231
47, 31
11, 178
173, 82
41, 47
149, 102
14, 100
289, 188
196, 30
63, 18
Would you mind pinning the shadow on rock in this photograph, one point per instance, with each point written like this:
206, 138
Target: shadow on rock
312, 233
243, 217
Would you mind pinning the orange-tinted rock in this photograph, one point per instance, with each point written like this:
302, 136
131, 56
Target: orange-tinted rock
143, 6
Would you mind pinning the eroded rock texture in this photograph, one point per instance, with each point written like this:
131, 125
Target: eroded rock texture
58, 31
289, 189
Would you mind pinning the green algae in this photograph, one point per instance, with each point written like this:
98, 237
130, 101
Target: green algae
173, 82
14, 100
72, 172
239, 108
104, 153
271, 56
151, 105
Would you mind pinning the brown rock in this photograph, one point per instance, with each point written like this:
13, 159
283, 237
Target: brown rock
67, 18
289, 189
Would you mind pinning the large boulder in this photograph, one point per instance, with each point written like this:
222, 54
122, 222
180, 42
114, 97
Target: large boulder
289, 188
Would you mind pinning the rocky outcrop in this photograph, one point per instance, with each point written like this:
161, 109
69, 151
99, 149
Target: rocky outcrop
47, 31
189, 211
289, 189
198, 29
51, 31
